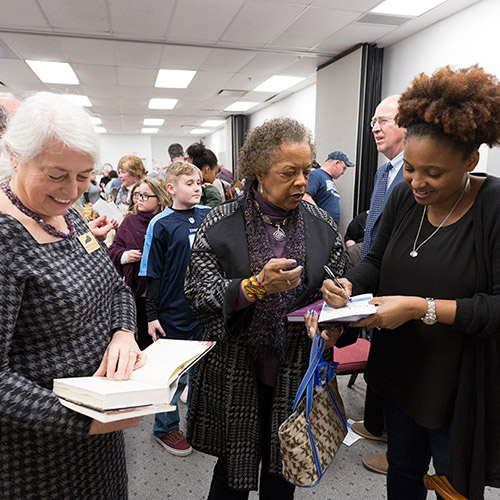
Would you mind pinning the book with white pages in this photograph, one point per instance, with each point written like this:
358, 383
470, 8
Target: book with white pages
151, 385
109, 209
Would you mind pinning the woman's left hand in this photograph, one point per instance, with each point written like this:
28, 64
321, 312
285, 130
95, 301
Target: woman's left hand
393, 311
331, 335
122, 357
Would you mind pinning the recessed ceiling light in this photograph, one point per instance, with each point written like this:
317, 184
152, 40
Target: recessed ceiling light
54, 72
199, 131
95, 120
160, 103
241, 106
100, 130
155, 122
81, 100
406, 7
277, 83
149, 130
212, 123
174, 78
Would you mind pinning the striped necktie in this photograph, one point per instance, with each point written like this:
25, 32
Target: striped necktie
375, 207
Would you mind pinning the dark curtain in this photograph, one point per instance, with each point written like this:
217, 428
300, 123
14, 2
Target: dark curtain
366, 152
239, 126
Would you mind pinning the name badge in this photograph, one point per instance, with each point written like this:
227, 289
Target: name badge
89, 242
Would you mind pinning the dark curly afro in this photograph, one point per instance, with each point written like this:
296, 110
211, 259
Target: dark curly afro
462, 106
264, 142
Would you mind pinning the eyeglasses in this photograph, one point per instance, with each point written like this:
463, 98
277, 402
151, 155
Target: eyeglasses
380, 121
144, 197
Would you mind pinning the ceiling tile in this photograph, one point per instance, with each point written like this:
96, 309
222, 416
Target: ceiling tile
258, 22
100, 91
136, 77
23, 13
227, 60
268, 64
202, 21
139, 55
304, 66
141, 18
88, 51
15, 70
38, 47
88, 16
353, 5
178, 57
96, 74
135, 92
198, 94
210, 80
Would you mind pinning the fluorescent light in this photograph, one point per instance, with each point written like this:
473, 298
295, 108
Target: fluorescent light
199, 131
149, 130
81, 100
156, 122
241, 106
159, 103
174, 78
54, 72
212, 123
277, 83
406, 7
100, 130
95, 120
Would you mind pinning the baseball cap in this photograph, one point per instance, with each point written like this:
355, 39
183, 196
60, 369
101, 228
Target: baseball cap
339, 155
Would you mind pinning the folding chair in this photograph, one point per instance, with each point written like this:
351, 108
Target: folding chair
352, 359
442, 486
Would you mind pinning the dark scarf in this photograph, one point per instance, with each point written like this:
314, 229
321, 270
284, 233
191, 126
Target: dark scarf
266, 332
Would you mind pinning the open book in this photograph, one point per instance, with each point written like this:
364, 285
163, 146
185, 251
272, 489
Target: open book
149, 389
352, 312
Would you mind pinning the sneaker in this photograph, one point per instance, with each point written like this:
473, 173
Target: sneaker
184, 396
376, 463
359, 428
175, 443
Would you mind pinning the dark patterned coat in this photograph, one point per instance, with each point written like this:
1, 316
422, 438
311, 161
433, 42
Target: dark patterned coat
58, 307
223, 415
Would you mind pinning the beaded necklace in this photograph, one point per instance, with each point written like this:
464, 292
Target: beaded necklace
49, 228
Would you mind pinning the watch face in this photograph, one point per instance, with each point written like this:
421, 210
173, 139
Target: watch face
429, 321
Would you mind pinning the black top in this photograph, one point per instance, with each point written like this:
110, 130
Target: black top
423, 360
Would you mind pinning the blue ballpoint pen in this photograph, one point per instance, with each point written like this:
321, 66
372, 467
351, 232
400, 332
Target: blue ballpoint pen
335, 280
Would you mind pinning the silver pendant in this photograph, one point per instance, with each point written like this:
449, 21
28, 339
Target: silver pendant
191, 219
279, 234
413, 253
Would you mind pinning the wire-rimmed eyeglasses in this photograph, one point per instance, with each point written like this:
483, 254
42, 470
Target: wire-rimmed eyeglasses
380, 121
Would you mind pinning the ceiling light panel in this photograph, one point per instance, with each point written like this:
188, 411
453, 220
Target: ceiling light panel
54, 72
213, 123
174, 78
406, 7
161, 103
199, 131
100, 130
147, 130
277, 83
95, 120
154, 122
241, 106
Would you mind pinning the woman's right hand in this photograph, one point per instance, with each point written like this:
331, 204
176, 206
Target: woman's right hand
280, 275
134, 256
97, 427
335, 296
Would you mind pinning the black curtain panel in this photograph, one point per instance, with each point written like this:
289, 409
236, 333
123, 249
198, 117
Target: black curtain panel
239, 127
366, 151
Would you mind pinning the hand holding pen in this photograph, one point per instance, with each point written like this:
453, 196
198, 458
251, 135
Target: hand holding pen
331, 294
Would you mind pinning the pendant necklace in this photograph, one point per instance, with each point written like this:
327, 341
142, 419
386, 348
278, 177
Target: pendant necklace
49, 228
279, 234
414, 252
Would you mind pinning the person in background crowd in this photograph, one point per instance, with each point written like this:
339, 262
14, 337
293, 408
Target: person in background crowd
65, 308
434, 358
176, 154
150, 197
106, 169
245, 388
93, 192
131, 171
206, 161
321, 190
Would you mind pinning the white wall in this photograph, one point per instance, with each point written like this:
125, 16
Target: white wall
217, 143
300, 106
466, 38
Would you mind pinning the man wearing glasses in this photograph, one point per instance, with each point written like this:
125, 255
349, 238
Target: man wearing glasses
389, 139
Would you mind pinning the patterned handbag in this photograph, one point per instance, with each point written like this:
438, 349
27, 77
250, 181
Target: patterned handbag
310, 437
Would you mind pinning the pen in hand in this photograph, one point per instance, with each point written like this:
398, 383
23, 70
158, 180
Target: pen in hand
335, 280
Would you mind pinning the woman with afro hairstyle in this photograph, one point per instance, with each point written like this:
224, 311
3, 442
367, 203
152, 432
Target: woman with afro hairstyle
435, 266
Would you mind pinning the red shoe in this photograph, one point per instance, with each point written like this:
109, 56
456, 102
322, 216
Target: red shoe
175, 443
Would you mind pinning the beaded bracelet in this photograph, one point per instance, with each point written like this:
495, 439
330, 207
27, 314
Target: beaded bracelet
253, 288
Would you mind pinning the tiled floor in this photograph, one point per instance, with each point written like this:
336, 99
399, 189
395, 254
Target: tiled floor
154, 474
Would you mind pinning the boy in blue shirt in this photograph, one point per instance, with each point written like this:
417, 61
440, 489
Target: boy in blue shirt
166, 253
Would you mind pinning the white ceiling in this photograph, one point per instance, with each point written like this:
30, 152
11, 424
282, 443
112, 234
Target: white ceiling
117, 46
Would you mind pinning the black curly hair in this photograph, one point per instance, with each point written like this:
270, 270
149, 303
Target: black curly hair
461, 106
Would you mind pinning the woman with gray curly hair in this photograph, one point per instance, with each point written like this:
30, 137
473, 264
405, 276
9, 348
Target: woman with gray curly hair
254, 260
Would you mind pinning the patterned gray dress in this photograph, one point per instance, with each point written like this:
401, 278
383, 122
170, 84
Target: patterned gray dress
58, 307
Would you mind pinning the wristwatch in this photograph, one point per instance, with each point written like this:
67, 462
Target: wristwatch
430, 316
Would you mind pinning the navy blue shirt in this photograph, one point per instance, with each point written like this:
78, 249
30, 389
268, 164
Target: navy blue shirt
324, 192
166, 253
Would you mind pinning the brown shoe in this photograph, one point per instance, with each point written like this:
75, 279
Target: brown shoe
376, 463
359, 428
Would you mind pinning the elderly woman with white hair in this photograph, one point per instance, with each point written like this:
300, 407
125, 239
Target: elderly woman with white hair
65, 311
